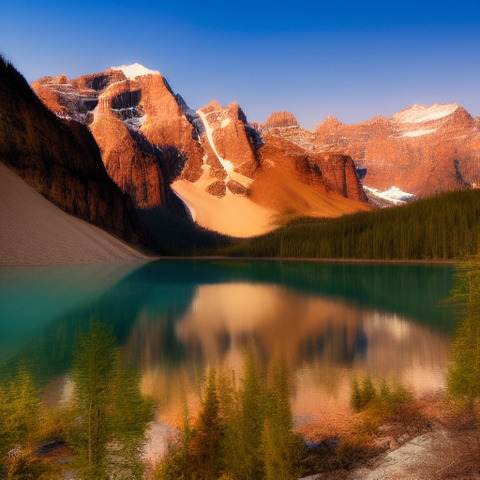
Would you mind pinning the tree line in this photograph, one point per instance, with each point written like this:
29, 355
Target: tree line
445, 226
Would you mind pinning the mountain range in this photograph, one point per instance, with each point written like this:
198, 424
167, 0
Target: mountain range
120, 149
420, 150
229, 177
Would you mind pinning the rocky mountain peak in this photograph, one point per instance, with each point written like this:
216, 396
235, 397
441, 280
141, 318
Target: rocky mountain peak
234, 111
149, 138
330, 122
211, 106
58, 157
281, 120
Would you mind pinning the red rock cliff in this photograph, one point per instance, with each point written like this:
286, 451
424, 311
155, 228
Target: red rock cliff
61, 160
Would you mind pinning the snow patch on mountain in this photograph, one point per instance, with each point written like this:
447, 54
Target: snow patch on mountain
421, 114
227, 164
135, 122
418, 133
393, 195
135, 70
225, 122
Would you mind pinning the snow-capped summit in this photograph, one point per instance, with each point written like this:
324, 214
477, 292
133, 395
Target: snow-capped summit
392, 196
421, 149
135, 70
420, 114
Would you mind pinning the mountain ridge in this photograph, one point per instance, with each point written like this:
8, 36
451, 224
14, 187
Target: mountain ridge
422, 150
149, 138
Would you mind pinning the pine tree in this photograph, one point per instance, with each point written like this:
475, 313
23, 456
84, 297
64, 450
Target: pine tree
92, 373
356, 400
282, 447
205, 444
20, 413
111, 416
464, 371
368, 391
244, 445
130, 414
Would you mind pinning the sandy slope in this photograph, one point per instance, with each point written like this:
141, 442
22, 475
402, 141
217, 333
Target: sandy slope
232, 215
33, 231
281, 190
273, 193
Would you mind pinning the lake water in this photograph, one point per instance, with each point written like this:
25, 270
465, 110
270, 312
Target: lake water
173, 319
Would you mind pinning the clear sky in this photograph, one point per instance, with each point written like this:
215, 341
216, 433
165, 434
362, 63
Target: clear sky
350, 58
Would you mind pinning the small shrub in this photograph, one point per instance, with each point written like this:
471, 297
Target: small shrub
363, 394
386, 400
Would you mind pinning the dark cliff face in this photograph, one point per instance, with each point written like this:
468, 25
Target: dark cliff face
61, 160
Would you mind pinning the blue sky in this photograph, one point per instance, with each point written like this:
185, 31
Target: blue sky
352, 59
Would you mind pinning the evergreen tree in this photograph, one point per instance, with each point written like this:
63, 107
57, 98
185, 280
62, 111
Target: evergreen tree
92, 374
205, 444
442, 227
130, 415
245, 442
110, 415
282, 447
227, 395
177, 464
368, 391
464, 371
356, 400
20, 413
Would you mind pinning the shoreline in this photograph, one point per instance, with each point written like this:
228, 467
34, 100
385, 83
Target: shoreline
313, 260
149, 259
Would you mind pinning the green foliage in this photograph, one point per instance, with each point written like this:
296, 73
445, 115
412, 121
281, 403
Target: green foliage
356, 398
105, 426
178, 236
369, 393
446, 226
283, 449
362, 394
242, 435
111, 417
130, 413
385, 400
92, 373
177, 465
252, 415
464, 370
205, 442
20, 415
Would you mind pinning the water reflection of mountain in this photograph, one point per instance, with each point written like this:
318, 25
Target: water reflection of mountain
324, 338
150, 308
414, 291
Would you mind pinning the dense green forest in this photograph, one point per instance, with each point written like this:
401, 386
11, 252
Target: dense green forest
442, 227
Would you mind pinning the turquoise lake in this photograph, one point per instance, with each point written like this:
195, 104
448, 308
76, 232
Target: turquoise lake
172, 319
